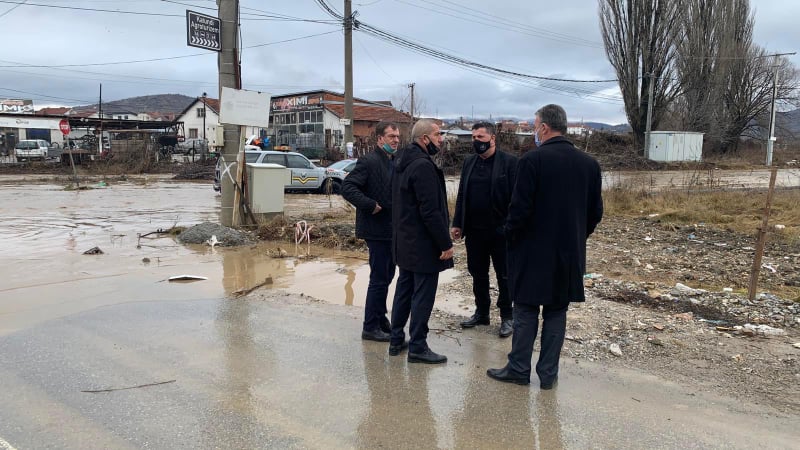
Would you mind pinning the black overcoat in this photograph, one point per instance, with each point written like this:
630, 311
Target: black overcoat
370, 183
556, 205
420, 219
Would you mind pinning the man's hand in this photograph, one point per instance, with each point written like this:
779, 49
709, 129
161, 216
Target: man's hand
447, 254
455, 233
377, 209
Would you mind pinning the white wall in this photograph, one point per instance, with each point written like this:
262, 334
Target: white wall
190, 120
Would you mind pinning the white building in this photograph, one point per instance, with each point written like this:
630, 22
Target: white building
192, 118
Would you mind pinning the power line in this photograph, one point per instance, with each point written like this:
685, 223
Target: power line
166, 58
13, 8
76, 8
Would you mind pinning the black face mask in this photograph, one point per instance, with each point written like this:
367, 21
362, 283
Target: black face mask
480, 147
432, 149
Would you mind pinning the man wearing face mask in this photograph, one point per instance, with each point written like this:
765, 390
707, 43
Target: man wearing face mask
556, 204
484, 192
369, 188
421, 242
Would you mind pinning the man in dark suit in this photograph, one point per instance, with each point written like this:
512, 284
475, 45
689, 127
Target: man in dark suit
484, 192
420, 240
555, 206
369, 188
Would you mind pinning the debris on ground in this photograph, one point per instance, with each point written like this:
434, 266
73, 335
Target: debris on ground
93, 251
202, 233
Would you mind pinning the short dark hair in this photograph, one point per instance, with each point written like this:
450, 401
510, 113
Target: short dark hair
381, 127
554, 116
488, 126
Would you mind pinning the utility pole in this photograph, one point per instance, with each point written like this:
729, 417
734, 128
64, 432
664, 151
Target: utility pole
650, 89
100, 115
412, 100
228, 67
771, 140
348, 70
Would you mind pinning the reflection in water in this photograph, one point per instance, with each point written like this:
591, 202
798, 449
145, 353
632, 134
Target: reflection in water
550, 436
495, 415
397, 395
349, 295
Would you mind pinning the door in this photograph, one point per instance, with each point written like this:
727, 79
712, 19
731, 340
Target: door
303, 174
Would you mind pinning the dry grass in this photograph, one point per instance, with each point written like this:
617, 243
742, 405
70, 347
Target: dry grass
739, 211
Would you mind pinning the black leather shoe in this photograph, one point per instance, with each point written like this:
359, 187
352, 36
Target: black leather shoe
375, 335
476, 319
386, 327
506, 376
550, 385
506, 328
427, 357
395, 350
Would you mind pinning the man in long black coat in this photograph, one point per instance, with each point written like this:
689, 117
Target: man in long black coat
555, 206
369, 188
420, 240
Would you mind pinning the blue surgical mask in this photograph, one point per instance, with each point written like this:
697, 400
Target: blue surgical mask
388, 149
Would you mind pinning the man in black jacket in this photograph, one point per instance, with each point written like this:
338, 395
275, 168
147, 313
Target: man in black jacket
556, 205
369, 188
484, 192
420, 240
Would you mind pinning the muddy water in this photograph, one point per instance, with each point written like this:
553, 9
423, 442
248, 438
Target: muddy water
46, 229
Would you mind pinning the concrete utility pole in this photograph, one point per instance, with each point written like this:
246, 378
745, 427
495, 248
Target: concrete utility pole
348, 70
412, 100
228, 65
771, 140
650, 90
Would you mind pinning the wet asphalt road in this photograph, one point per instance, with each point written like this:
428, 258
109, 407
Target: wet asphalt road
285, 372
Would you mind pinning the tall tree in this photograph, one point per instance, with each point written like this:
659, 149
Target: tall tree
639, 38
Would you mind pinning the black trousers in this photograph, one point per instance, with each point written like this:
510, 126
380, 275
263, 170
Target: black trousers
526, 325
381, 272
481, 246
413, 296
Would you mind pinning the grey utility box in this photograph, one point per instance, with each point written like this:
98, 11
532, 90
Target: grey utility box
265, 187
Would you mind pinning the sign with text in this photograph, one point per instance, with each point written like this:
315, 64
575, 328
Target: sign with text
203, 31
63, 125
16, 106
240, 107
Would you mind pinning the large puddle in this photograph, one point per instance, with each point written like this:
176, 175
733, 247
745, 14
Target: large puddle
46, 229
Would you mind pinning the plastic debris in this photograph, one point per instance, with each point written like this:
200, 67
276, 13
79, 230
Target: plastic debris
187, 278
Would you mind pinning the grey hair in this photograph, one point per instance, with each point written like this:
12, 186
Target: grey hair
422, 127
554, 116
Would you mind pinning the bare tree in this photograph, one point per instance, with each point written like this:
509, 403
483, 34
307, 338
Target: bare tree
639, 38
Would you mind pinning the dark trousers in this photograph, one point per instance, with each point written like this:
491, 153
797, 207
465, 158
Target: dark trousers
526, 324
413, 295
481, 246
381, 272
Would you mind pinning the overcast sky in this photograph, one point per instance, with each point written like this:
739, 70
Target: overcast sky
553, 39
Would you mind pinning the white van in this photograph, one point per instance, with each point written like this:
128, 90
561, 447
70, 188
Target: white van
29, 149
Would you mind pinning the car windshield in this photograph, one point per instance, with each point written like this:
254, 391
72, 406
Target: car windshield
339, 165
27, 144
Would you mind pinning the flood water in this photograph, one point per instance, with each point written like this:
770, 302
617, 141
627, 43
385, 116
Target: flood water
46, 229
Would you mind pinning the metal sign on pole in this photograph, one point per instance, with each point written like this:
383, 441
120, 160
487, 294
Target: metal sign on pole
203, 31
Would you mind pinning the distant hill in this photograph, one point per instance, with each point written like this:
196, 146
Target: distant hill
163, 103
787, 124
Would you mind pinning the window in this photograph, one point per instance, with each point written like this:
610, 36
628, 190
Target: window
201, 112
275, 159
297, 162
251, 157
193, 133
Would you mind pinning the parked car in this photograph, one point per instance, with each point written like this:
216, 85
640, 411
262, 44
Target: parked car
30, 149
336, 174
305, 175
192, 146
